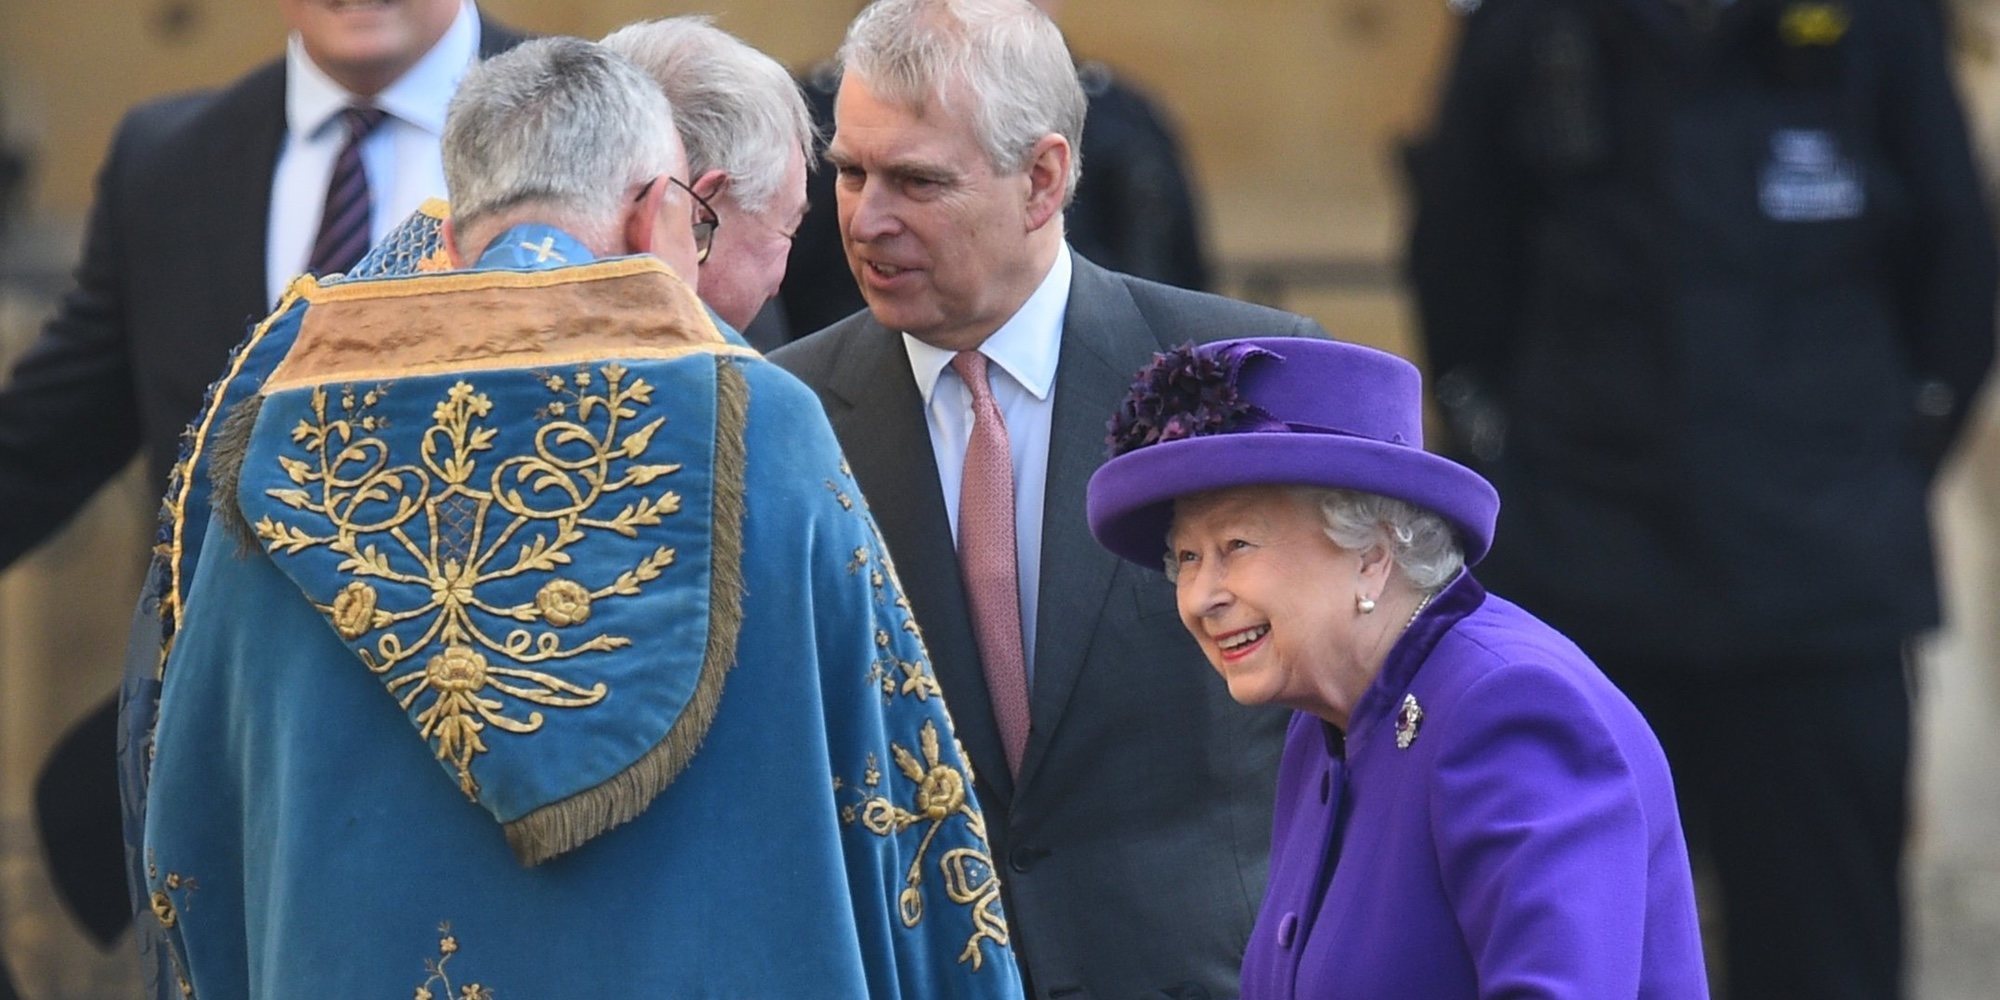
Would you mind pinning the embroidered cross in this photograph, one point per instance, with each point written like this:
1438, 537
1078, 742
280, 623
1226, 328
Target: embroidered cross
545, 250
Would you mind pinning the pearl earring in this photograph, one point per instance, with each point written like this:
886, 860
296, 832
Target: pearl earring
1366, 605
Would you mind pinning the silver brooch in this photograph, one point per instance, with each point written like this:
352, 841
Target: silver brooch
1408, 718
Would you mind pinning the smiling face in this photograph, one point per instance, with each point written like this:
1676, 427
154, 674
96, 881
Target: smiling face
365, 45
1269, 598
747, 263
944, 246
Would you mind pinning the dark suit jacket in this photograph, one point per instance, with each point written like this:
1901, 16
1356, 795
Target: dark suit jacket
172, 277
1134, 843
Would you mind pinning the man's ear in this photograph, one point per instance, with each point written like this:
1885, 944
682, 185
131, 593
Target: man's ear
711, 184
449, 232
1048, 180
642, 217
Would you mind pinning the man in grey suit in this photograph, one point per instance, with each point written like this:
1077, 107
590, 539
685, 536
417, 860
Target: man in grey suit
1127, 797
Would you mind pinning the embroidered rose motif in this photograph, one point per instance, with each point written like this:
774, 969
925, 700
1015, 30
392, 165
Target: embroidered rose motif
563, 603
456, 670
941, 793
354, 610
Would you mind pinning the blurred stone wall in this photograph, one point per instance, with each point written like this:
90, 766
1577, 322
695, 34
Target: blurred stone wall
1954, 859
63, 614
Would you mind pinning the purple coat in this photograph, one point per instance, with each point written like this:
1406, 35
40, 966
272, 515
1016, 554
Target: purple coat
1512, 835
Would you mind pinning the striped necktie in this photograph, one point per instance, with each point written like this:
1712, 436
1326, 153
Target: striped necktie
344, 225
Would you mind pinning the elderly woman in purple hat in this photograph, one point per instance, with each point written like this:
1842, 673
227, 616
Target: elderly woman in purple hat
1466, 807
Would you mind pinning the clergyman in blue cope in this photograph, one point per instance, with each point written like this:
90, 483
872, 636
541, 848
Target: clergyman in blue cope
541, 643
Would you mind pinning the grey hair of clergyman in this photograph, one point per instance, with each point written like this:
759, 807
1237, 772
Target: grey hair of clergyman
1005, 56
738, 110
558, 123
1420, 543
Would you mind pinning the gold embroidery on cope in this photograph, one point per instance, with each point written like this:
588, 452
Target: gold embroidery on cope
167, 909
941, 793
447, 947
482, 530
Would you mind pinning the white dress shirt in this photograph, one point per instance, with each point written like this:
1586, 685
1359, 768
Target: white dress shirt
1021, 369
401, 157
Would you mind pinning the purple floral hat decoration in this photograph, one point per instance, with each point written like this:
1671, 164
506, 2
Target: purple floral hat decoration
1274, 411
1183, 393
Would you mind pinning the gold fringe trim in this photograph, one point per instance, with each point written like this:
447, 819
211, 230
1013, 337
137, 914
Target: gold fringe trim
173, 602
563, 826
225, 472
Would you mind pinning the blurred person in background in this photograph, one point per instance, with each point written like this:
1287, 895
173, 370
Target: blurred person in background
13, 170
1709, 289
206, 207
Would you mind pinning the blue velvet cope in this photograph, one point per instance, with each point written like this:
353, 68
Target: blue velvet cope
482, 594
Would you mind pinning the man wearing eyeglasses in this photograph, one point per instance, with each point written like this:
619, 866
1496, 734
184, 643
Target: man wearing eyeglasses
747, 145
555, 714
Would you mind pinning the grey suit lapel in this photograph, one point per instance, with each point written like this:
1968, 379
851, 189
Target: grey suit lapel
1105, 340
881, 419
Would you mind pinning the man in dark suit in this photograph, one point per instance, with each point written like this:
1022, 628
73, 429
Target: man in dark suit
1127, 794
207, 205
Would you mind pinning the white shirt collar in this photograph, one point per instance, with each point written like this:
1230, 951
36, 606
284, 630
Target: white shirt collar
418, 97
1026, 347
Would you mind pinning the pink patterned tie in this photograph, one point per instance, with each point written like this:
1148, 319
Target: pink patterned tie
987, 562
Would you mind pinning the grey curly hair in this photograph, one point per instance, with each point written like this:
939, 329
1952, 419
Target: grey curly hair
1421, 544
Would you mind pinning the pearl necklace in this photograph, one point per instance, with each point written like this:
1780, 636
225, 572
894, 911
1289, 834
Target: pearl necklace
1419, 609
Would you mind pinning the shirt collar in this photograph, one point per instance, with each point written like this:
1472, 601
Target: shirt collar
418, 97
1026, 347
532, 246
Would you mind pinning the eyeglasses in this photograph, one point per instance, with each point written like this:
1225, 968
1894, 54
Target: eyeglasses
706, 222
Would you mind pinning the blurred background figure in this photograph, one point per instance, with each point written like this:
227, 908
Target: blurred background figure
13, 168
207, 206
1135, 211
1709, 289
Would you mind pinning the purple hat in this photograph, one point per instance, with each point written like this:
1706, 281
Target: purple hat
1275, 411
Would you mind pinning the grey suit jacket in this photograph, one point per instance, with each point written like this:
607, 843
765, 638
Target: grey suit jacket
1133, 845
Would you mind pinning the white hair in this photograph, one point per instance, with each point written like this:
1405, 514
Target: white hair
1421, 544
738, 110
1005, 55
558, 123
